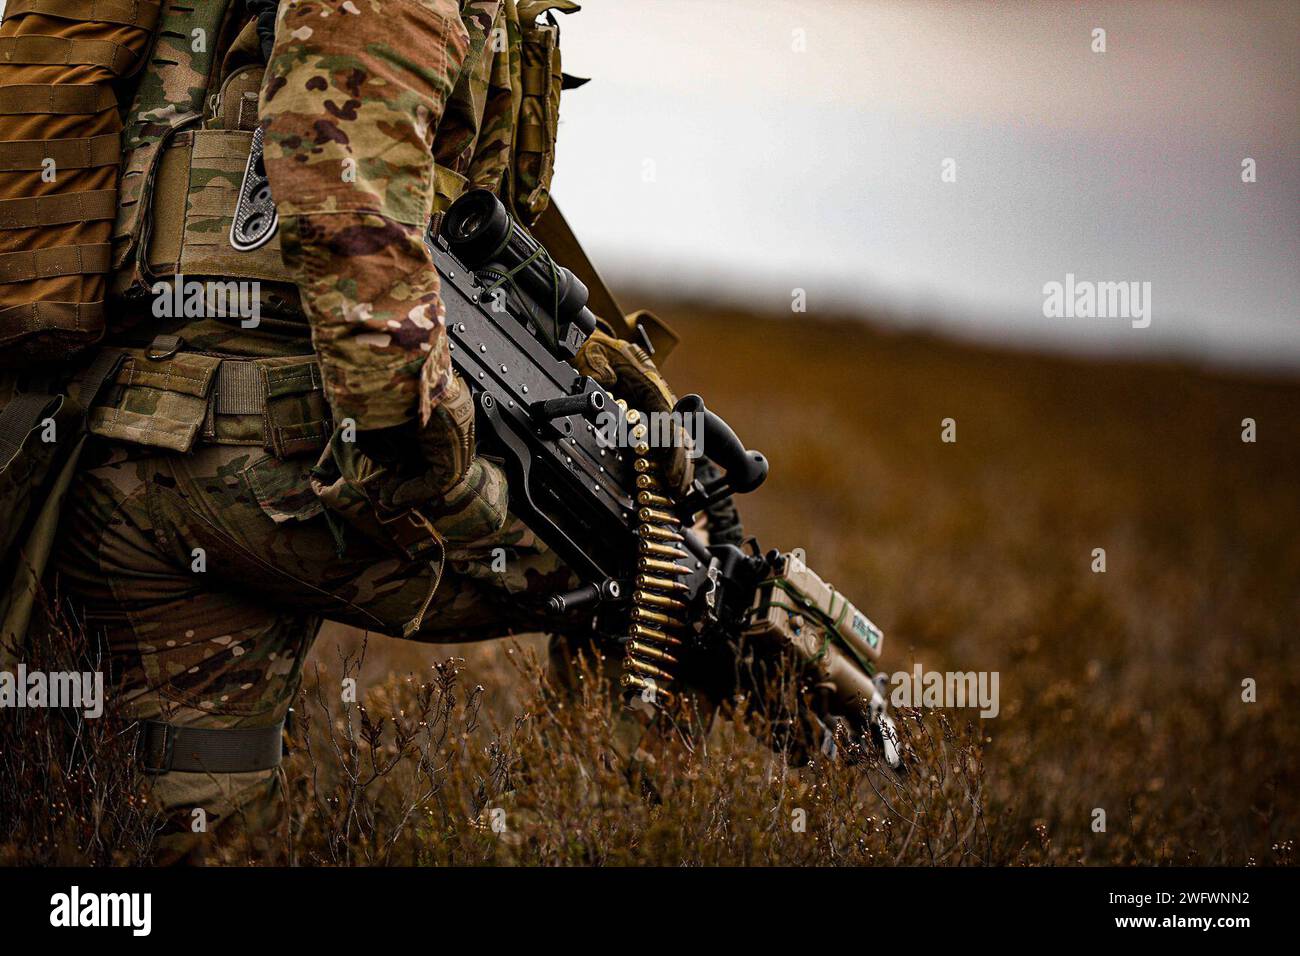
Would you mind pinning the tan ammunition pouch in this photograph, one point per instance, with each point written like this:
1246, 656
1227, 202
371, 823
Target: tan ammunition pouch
59, 154
541, 80
186, 147
172, 399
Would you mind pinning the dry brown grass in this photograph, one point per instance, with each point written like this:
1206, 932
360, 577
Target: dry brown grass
1119, 691
69, 794
420, 774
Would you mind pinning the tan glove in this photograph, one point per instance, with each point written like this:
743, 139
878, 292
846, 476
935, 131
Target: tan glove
446, 432
626, 370
465, 496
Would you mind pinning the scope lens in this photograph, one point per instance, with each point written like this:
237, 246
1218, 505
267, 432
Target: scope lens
477, 226
469, 224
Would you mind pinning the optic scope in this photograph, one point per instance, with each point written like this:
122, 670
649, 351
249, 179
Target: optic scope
482, 234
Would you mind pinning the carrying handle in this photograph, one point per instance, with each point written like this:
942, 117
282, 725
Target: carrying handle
746, 469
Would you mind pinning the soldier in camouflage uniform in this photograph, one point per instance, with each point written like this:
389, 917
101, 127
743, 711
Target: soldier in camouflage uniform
249, 482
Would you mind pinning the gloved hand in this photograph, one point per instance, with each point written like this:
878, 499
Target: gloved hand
446, 429
626, 370
465, 496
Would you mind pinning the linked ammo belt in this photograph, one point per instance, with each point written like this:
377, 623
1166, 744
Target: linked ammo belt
163, 747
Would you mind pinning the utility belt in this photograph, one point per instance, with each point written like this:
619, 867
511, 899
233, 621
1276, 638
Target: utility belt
165, 397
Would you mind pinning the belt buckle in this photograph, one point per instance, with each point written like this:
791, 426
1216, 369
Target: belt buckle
147, 748
411, 530
164, 347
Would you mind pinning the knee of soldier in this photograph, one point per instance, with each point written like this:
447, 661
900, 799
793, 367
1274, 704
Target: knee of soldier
200, 813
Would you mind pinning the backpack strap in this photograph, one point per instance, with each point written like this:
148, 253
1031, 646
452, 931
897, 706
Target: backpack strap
131, 13
22, 416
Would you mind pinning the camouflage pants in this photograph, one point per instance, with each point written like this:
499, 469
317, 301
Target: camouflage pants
207, 575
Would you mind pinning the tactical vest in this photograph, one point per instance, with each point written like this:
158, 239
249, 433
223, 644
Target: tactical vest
185, 143
190, 126
59, 155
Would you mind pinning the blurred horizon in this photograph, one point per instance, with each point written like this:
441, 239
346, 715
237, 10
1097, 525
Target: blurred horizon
710, 159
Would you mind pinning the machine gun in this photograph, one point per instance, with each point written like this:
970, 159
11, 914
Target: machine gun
515, 320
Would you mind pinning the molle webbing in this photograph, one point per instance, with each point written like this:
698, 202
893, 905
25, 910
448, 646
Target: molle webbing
28, 264
38, 98
89, 205
67, 51
31, 318
540, 82
76, 153
59, 156
169, 398
196, 186
172, 95
131, 13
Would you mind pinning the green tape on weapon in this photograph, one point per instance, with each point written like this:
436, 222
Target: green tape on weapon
832, 626
551, 335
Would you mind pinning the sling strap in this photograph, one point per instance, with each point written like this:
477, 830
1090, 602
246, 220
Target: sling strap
27, 410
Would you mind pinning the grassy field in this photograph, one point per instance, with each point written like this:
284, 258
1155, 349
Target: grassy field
1120, 691
1121, 694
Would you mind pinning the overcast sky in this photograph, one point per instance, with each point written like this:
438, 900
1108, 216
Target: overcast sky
709, 146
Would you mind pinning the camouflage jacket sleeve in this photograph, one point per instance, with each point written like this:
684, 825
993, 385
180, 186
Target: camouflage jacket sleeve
354, 92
